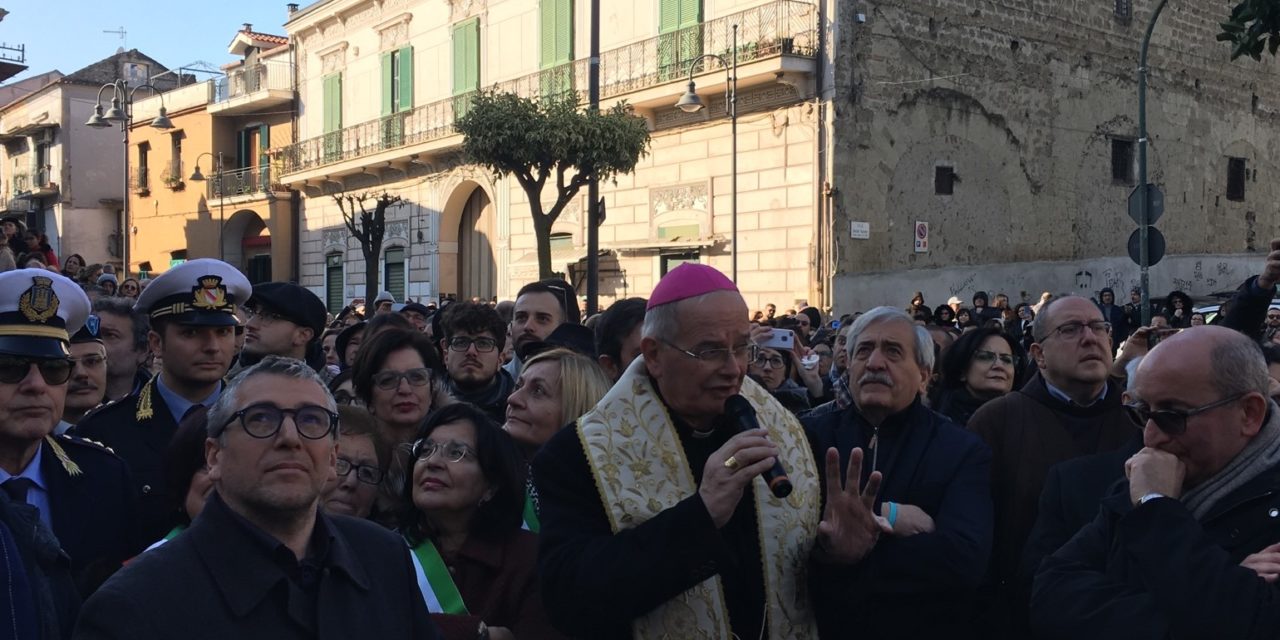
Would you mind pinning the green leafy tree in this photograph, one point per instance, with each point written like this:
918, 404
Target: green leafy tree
1254, 26
368, 226
550, 140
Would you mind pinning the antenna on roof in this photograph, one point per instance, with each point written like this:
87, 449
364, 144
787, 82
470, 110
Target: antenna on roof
124, 37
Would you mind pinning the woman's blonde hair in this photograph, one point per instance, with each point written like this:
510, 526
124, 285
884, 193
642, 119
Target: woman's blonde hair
582, 381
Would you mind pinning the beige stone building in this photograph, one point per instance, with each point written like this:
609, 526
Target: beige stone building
1010, 129
379, 84
239, 211
65, 178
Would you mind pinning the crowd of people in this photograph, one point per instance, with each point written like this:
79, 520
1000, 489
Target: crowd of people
199, 455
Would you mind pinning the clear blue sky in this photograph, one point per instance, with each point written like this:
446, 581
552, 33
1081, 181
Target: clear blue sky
68, 34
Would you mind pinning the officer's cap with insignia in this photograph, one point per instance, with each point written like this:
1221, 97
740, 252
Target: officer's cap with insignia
39, 310
198, 292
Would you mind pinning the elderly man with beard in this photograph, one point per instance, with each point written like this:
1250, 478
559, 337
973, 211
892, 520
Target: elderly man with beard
262, 560
88, 385
920, 580
1189, 545
657, 520
1070, 408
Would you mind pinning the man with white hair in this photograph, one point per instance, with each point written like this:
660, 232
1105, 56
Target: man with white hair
935, 498
657, 519
1189, 544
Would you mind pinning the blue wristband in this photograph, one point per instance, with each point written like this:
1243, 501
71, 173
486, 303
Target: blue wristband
893, 513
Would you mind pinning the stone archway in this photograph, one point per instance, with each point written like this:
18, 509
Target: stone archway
467, 260
246, 245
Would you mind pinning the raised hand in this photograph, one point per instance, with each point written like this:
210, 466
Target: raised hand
849, 527
1265, 563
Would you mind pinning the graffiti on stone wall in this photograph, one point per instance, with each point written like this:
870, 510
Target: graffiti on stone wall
957, 289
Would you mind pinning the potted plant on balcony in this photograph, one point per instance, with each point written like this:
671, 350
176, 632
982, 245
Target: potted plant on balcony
172, 179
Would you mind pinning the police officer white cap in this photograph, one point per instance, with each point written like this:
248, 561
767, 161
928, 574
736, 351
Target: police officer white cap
198, 292
39, 310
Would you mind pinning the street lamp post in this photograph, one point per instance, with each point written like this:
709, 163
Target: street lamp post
196, 176
121, 111
691, 103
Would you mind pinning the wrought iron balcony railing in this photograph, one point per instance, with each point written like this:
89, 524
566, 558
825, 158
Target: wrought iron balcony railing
784, 27
239, 182
253, 78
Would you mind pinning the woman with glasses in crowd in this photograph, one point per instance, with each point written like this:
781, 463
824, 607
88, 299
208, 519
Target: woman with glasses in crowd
463, 499
554, 389
982, 365
361, 465
395, 376
772, 369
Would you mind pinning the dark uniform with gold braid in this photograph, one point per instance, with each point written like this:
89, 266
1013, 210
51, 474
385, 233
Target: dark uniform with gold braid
70, 506
139, 426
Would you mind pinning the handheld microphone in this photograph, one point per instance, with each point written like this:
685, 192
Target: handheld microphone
744, 414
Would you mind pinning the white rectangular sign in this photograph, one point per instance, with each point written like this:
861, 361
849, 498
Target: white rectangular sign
860, 230
922, 237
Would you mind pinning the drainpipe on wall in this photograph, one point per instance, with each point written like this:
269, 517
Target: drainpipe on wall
295, 238
825, 228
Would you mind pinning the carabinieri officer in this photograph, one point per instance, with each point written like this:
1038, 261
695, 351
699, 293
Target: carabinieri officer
192, 311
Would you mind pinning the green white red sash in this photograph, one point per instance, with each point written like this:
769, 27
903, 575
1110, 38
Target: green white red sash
434, 581
531, 523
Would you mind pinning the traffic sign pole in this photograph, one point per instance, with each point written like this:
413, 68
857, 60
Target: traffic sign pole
1144, 200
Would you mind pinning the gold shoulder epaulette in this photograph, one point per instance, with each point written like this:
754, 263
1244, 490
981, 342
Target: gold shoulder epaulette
68, 464
144, 402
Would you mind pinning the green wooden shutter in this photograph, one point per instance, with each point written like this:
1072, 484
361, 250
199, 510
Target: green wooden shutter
393, 273
466, 56
406, 78
668, 15
333, 282
690, 12
264, 165
333, 103
547, 48
387, 79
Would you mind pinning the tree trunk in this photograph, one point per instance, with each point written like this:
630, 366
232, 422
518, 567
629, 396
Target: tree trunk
542, 234
371, 276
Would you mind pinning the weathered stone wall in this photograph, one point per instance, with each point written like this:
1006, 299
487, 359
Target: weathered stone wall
1023, 101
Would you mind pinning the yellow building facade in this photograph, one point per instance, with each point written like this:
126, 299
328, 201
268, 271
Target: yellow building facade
235, 209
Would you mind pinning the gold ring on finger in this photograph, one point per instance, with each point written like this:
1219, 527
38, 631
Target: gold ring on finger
732, 463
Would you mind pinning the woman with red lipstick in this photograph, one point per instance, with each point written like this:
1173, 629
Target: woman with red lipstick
463, 499
396, 378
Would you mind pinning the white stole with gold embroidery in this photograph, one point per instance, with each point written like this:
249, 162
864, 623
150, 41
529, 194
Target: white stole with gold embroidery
640, 470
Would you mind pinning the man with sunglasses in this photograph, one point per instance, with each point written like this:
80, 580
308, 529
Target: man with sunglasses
262, 559
474, 336
1189, 544
1069, 408
76, 489
192, 315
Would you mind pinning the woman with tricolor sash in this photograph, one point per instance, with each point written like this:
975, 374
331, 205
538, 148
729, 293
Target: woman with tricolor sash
554, 388
477, 570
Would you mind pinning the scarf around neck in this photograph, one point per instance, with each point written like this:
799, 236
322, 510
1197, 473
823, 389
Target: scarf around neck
1261, 454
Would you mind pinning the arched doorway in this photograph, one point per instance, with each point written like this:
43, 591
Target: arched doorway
246, 245
477, 268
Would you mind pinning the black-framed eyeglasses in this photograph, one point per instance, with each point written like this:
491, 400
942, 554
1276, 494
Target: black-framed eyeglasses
1073, 330
263, 420
14, 369
388, 380
462, 343
763, 360
450, 451
1172, 421
742, 353
365, 473
989, 357
343, 398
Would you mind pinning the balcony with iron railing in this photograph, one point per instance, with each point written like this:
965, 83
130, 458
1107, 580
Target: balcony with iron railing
247, 181
36, 184
773, 39
252, 87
